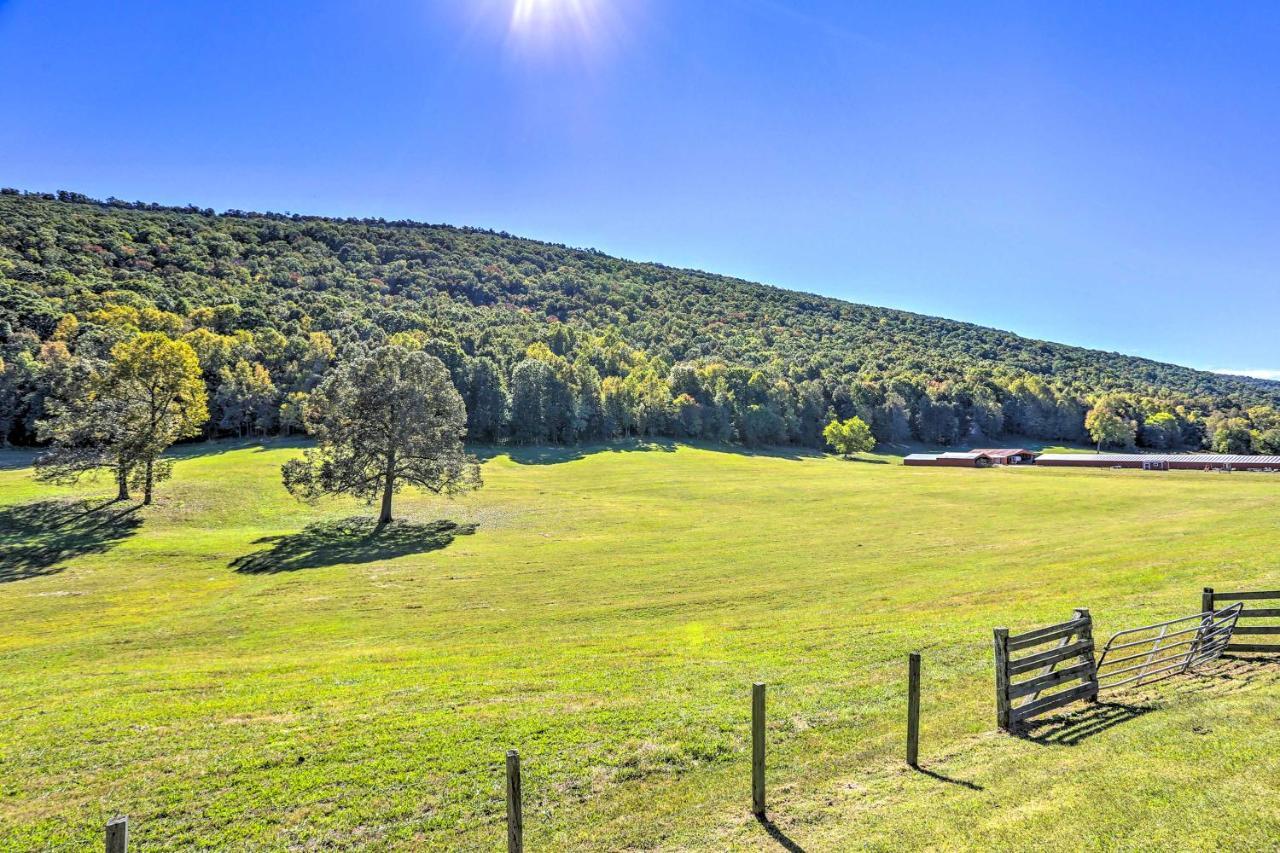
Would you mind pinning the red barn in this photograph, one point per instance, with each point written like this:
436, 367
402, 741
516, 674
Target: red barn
972, 458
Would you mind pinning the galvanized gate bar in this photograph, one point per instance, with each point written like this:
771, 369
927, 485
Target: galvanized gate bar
1211, 633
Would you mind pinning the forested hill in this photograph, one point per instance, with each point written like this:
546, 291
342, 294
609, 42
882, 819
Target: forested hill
545, 342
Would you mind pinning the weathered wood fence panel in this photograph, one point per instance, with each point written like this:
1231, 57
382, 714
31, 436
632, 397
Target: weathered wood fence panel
1017, 701
1246, 626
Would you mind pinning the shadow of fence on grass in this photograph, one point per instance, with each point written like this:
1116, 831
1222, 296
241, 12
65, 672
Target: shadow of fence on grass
950, 780
348, 540
36, 538
1077, 726
781, 838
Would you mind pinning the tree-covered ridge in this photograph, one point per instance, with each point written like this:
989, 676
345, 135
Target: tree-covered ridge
544, 342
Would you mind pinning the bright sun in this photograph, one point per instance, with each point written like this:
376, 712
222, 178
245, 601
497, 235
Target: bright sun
546, 16
585, 30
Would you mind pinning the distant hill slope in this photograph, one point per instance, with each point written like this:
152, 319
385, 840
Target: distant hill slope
492, 294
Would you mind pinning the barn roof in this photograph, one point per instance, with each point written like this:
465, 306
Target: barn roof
1191, 458
1004, 452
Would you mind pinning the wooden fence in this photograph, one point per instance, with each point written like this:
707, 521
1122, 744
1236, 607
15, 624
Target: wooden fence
1019, 701
1025, 672
1247, 624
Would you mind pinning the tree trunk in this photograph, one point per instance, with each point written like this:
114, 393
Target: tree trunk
146, 487
122, 483
388, 484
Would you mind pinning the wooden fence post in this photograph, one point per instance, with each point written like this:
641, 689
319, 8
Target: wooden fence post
913, 709
118, 835
1206, 600
1086, 633
1002, 677
515, 814
757, 749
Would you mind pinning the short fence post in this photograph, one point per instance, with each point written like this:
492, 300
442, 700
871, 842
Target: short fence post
1002, 677
515, 815
1086, 633
757, 749
913, 709
118, 835
1206, 600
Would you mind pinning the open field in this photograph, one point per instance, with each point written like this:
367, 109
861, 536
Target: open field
605, 611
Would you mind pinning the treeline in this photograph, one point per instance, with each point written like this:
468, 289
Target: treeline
549, 344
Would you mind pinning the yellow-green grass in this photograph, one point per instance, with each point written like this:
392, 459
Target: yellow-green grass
607, 618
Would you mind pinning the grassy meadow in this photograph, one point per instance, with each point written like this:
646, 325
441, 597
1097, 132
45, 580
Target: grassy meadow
236, 670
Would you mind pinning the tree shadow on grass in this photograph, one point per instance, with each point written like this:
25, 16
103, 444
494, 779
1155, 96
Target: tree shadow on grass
540, 454
36, 538
348, 540
1072, 728
537, 454
16, 459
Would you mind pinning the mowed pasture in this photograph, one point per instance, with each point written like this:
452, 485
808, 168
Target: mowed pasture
235, 671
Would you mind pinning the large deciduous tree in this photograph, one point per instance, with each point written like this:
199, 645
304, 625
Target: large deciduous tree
380, 421
123, 415
1107, 423
849, 436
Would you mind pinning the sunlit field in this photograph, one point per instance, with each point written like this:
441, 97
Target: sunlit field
236, 670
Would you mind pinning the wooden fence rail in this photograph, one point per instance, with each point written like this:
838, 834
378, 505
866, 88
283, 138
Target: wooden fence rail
1211, 601
1074, 648
1026, 672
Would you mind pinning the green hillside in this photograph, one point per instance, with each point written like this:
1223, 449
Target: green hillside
234, 671
270, 301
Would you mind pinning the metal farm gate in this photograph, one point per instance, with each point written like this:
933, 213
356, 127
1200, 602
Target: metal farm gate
1066, 672
1151, 653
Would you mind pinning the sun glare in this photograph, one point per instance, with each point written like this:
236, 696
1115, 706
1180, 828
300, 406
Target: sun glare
577, 24
540, 13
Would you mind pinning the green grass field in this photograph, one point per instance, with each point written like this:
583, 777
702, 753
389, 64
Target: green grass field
234, 679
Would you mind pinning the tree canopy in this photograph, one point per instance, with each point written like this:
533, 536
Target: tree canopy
125, 413
849, 436
381, 421
543, 342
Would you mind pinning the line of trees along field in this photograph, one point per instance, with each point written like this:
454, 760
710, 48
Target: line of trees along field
544, 344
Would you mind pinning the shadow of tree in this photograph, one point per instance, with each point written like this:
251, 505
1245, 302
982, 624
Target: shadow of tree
348, 540
35, 538
538, 454
1095, 718
14, 459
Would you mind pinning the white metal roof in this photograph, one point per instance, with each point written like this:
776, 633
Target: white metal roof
1192, 458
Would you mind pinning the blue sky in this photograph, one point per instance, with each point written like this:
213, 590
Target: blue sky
1080, 172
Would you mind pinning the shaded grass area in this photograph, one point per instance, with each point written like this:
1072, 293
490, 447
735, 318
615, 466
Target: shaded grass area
38, 538
353, 540
606, 615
